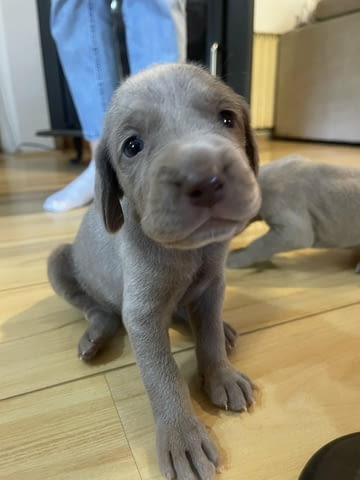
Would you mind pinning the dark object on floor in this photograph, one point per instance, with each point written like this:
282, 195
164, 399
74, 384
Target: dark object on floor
338, 460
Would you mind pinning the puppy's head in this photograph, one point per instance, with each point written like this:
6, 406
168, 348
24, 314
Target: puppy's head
178, 146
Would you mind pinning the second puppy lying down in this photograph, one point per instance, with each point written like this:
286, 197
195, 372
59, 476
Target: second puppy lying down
305, 204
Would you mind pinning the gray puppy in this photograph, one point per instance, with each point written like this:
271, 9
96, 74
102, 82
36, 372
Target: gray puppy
305, 204
175, 180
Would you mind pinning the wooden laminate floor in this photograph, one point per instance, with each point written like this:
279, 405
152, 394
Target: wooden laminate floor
64, 419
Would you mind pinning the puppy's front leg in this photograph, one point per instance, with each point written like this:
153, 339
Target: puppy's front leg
185, 450
226, 387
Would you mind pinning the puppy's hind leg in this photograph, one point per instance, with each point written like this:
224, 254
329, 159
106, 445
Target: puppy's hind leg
103, 323
280, 238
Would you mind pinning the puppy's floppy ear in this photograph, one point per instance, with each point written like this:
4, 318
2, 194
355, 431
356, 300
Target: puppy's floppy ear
251, 146
108, 190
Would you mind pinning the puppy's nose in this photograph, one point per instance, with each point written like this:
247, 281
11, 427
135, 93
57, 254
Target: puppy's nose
206, 192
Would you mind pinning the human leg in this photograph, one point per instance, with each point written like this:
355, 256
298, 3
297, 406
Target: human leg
82, 30
77, 193
155, 32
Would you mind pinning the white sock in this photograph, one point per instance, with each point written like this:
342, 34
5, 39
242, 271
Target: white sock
76, 194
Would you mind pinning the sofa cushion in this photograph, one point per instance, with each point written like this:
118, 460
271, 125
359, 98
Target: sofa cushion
334, 8
318, 81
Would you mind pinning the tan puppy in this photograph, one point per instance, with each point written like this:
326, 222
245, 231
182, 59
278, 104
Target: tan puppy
305, 204
175, 180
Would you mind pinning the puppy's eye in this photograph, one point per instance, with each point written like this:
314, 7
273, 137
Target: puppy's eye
132, 146
227, 118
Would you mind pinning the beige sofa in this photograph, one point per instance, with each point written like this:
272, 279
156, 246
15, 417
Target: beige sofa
318, 82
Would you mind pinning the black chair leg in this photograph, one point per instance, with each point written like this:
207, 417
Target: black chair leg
78, 145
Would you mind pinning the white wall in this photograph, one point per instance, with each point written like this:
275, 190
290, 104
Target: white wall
279, 16
23, 105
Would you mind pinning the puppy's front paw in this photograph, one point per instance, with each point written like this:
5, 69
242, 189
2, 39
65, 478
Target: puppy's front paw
185, 451
228, 388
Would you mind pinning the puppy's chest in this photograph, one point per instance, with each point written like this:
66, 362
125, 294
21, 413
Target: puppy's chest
208, 267
199, 282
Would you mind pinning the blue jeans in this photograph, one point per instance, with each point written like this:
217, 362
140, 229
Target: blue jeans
86, 43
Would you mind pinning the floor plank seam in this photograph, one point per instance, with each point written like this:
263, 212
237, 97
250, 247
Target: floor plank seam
67, 382
122, 425
54, 329
83, 377
273, 299
35, 241
304, 317
23, 287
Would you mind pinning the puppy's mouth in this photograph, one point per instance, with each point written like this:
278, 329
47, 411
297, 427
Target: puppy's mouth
211, 230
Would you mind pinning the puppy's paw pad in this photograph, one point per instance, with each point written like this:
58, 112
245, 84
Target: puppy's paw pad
229, 389
86, 352
90, 345
186, 451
